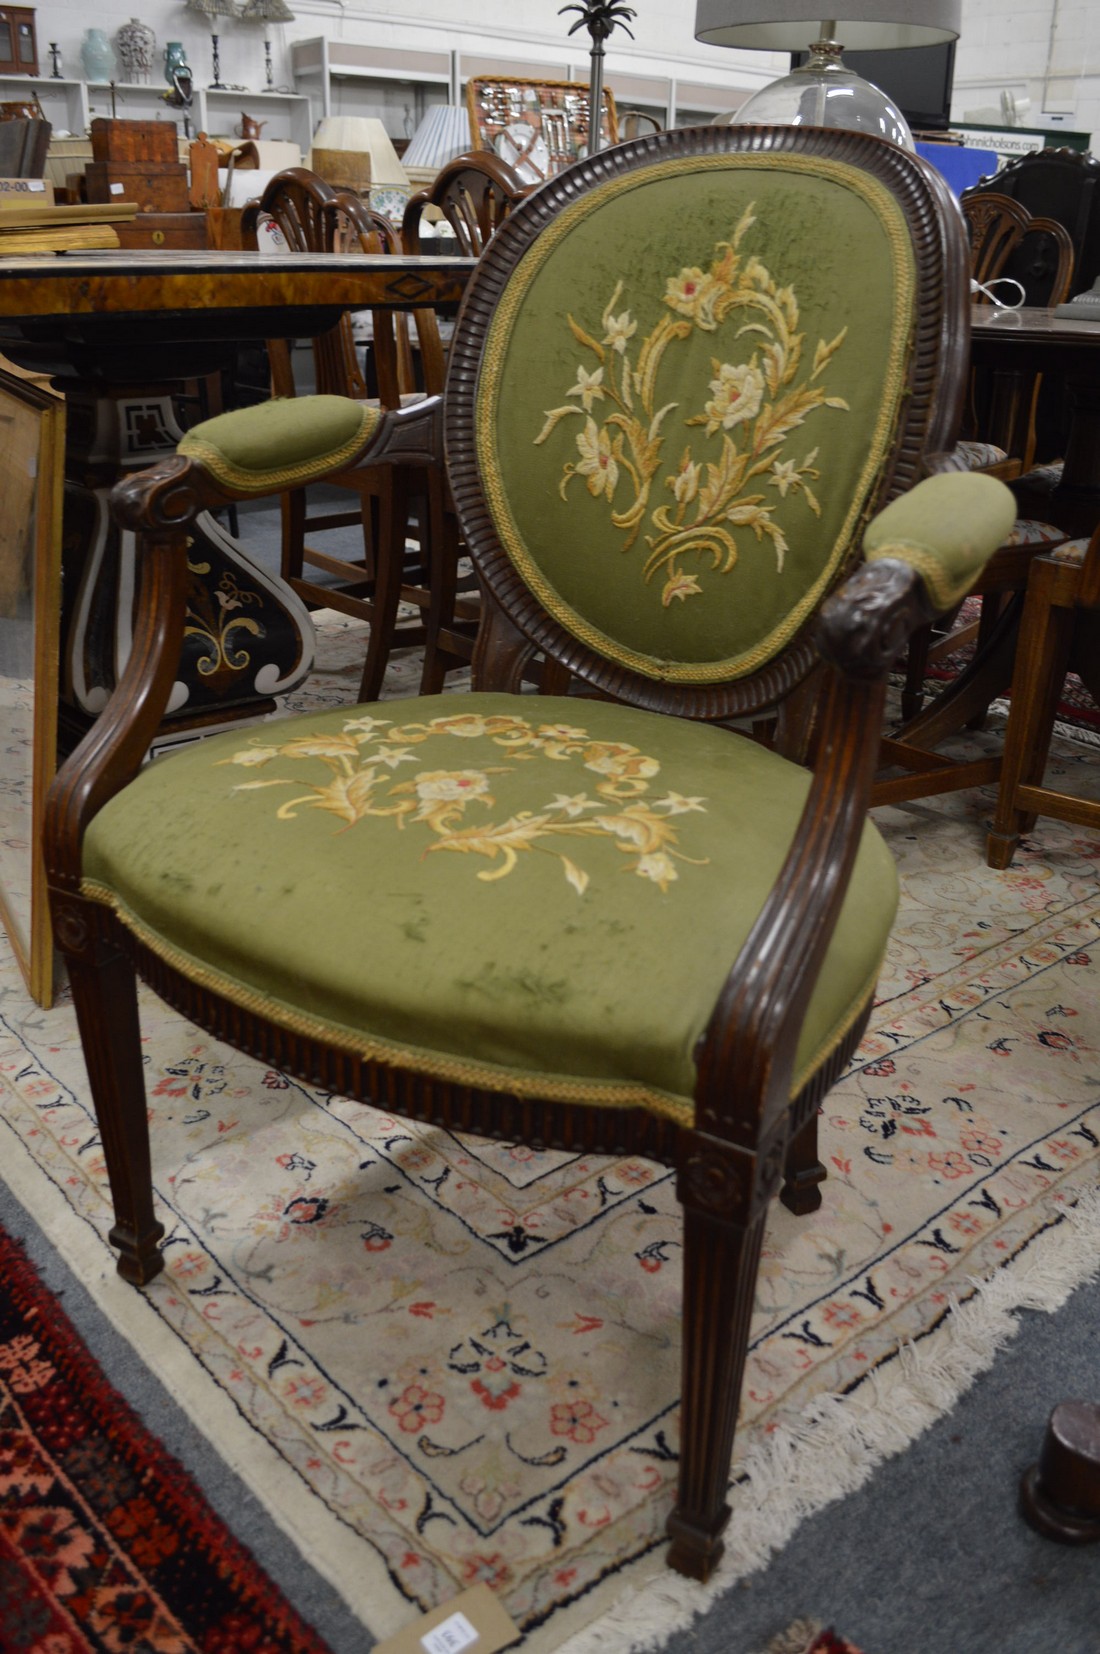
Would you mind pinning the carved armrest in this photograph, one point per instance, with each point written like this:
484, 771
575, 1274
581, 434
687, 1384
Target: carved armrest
946, 528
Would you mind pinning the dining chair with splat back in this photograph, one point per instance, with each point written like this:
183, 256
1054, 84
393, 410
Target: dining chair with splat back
316, 217
474, 193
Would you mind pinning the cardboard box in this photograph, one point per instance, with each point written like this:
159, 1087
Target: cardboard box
21, 193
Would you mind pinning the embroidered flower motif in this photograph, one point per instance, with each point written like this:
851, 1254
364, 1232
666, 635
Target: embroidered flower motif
437, 785
415, 1407
737, 391
619, 330
578, 1420
492, 1571
950, 1164
597, 461
753, 408
694, 293
589, 387
677, 805
361, 785
254, 755
684, 482
658, 867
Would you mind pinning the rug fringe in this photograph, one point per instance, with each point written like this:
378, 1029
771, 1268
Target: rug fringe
798, 1469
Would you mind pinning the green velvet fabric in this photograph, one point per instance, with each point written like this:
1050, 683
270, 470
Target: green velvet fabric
720, 350
281, 443
534, 893
947, 527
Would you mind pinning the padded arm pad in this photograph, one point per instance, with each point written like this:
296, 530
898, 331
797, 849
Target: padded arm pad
946, 528
281, 444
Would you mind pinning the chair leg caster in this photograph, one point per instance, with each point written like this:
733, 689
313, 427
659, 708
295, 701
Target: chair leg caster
140, 1259
1060, 1496
695, 1551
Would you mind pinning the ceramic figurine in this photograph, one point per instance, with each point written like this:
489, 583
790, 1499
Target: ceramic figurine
136, 44
97, 56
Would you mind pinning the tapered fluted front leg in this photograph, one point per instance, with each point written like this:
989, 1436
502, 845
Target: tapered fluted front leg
721, 1256
105, 997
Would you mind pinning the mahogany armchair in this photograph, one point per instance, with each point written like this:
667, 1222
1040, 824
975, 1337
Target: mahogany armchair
603, 920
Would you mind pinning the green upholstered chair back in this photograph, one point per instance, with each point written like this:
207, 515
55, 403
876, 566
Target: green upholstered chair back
690, 394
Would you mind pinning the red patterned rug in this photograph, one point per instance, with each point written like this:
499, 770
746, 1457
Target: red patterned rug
105, 1542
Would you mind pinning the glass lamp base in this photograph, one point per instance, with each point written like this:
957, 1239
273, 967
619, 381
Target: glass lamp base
822, 92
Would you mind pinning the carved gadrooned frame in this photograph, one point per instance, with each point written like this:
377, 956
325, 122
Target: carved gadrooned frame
925, 424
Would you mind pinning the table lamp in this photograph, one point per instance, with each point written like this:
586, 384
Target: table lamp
442, 134
356, 152
823, 91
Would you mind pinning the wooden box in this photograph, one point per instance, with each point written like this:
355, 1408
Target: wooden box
164, 229
134, 141
156, 186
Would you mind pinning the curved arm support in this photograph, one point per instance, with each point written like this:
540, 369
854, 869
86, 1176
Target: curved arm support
114, 749
745, 1058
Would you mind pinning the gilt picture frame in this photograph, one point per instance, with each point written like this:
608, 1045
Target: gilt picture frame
32, 458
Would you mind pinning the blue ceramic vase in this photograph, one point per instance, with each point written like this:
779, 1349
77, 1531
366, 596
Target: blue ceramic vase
97, 56
175, 59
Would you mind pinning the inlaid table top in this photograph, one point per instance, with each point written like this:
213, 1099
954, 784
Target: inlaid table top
116, 283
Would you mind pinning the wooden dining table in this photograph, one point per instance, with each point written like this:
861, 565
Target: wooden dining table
120, 332
1066, 349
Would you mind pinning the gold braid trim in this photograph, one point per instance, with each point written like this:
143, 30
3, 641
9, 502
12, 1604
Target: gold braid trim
497, 343
455, 1070
279, 477
944, 591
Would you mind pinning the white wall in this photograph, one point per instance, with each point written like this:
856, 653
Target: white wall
1048, 50
1045, 50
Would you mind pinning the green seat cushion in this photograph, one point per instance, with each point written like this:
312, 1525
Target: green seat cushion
534, 894
281, 444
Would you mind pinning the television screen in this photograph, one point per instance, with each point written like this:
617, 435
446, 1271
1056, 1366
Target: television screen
918, 79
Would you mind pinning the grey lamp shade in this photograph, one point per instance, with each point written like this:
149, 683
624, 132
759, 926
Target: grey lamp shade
860, 25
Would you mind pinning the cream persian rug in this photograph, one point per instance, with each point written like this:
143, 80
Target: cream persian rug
439, 1361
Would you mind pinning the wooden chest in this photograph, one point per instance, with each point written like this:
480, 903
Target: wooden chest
164, 229
156, 186
135, 141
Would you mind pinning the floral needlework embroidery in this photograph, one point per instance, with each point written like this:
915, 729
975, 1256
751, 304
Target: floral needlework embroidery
753, 409
363, 756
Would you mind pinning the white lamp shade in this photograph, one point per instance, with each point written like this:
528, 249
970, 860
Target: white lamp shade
442, 134
860, 25
364, 135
